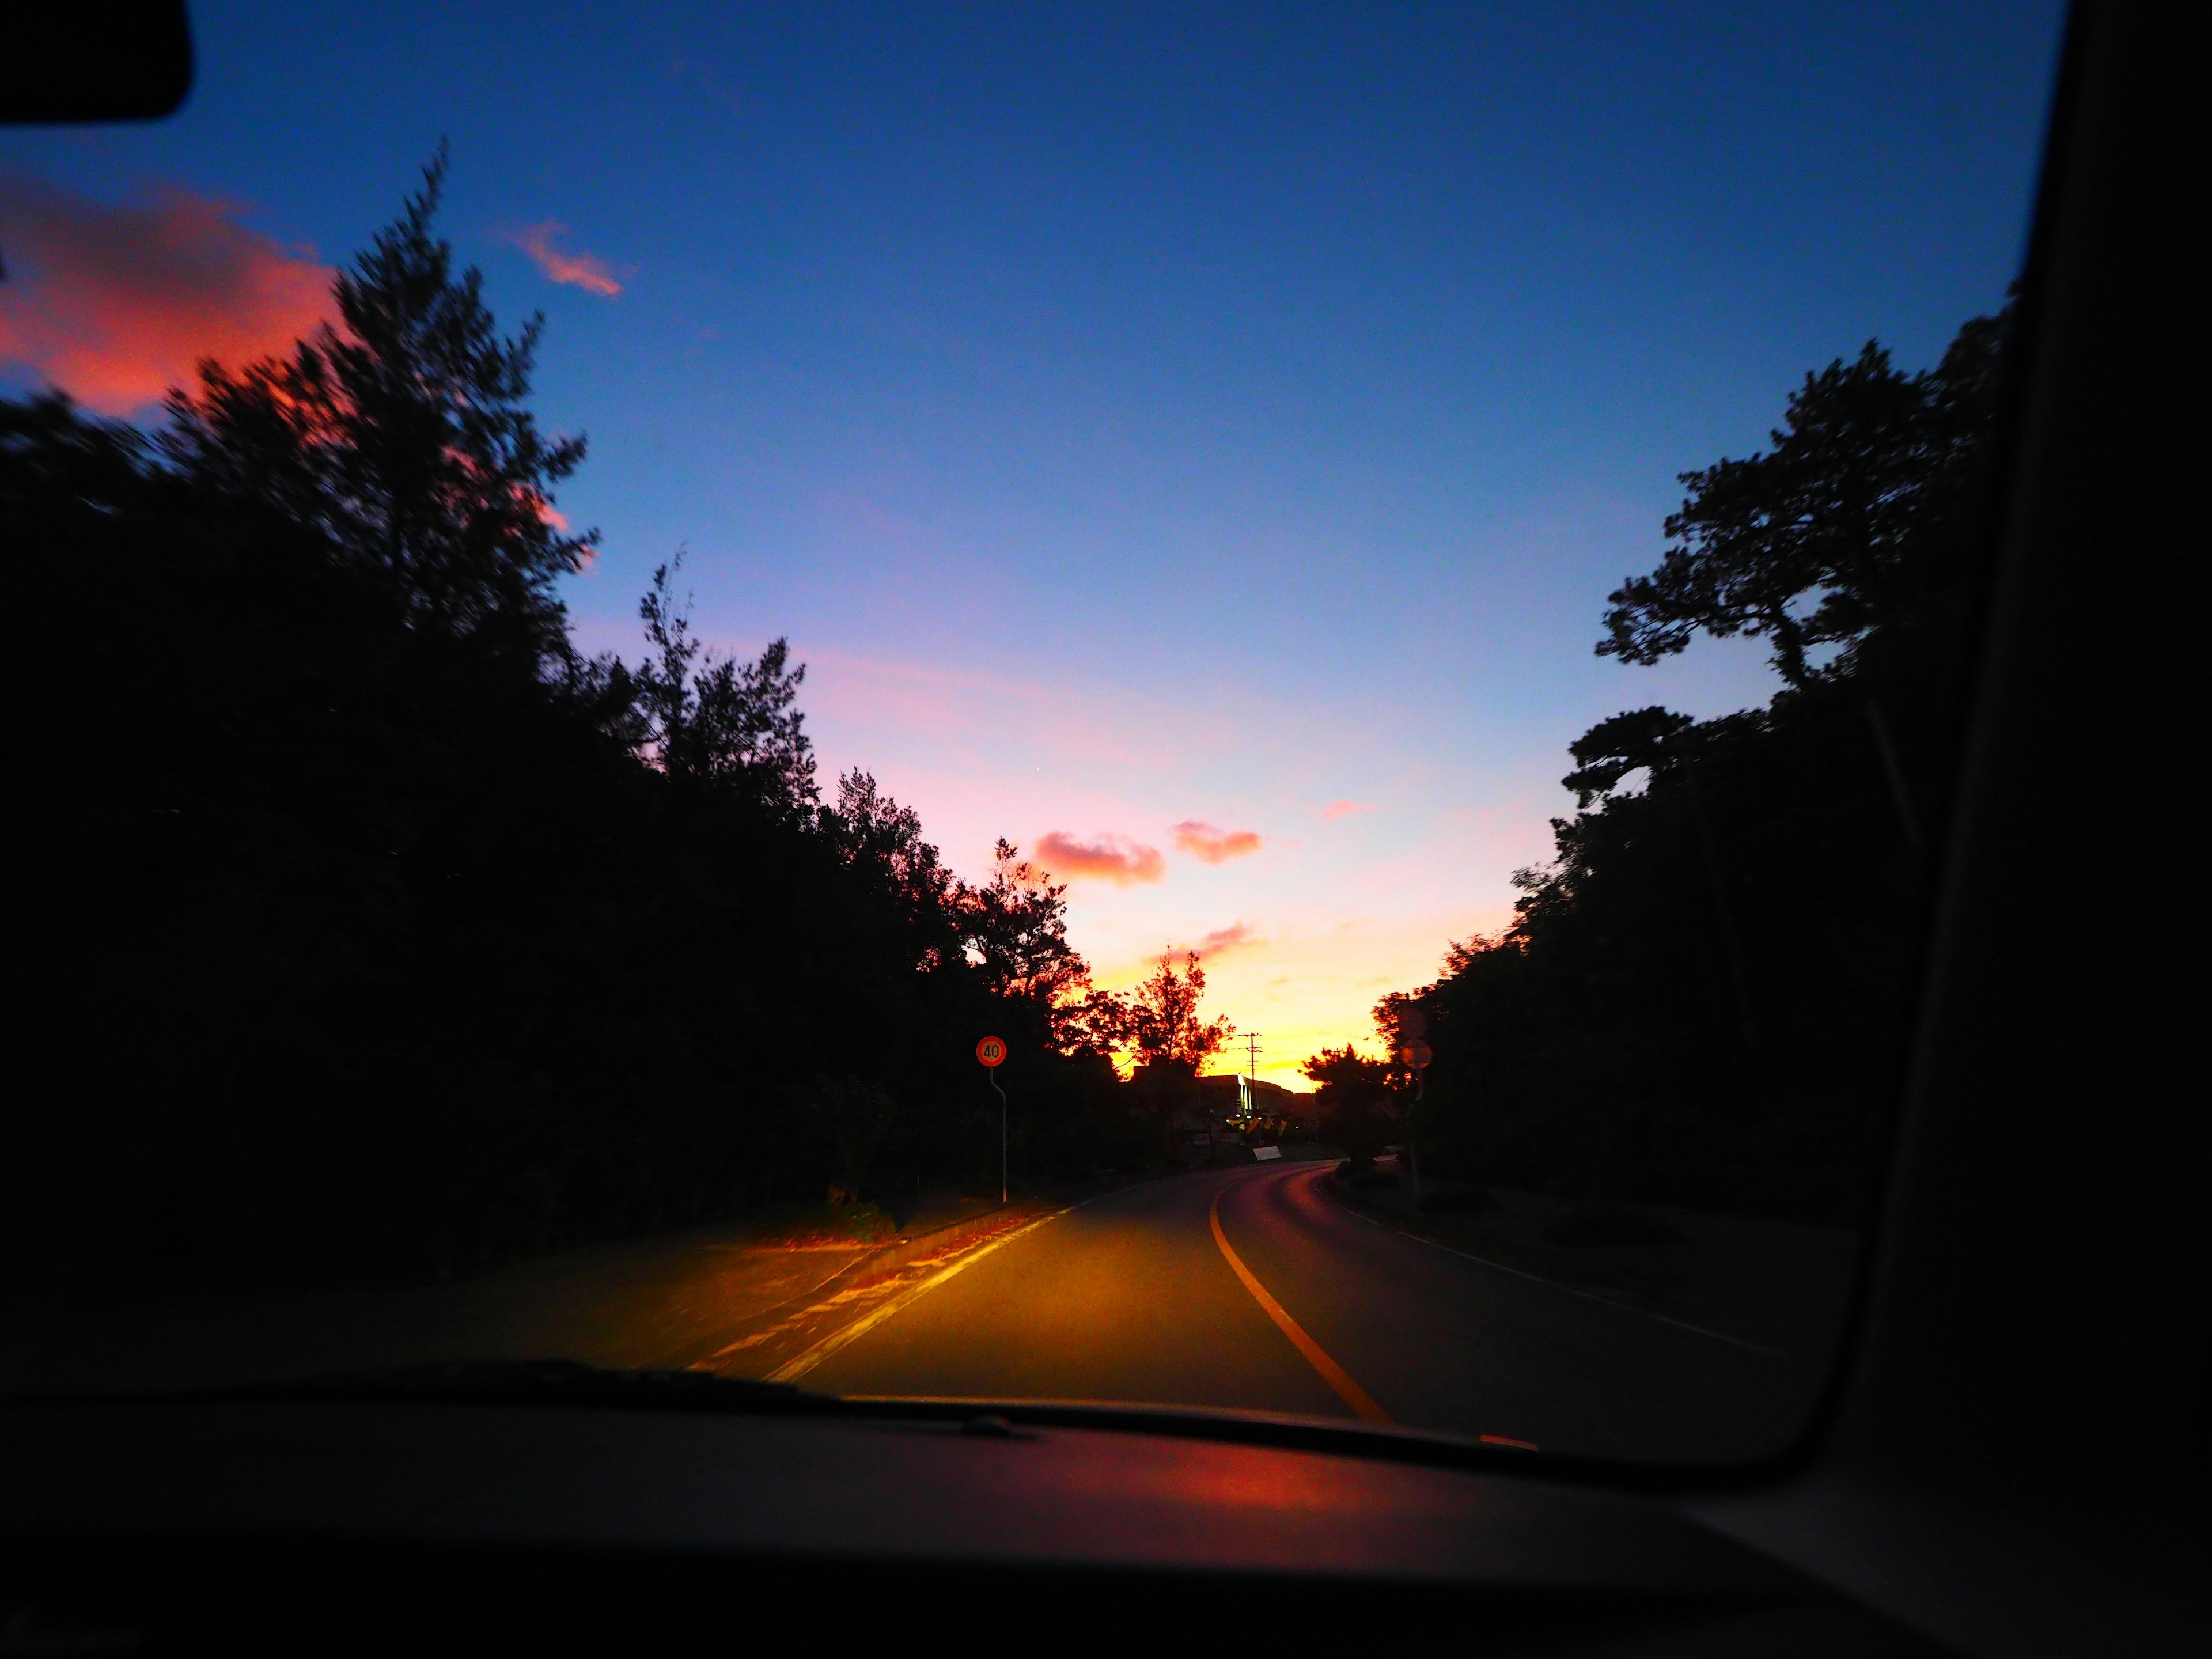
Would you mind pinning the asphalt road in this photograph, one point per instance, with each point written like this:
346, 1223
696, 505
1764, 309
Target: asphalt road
1139, 1298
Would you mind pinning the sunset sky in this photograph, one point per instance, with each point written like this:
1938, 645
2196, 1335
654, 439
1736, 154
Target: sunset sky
1193, 441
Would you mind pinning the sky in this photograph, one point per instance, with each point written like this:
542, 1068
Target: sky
1193, 443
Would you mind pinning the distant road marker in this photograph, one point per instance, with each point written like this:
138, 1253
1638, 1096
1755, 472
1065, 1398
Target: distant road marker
1361, 1403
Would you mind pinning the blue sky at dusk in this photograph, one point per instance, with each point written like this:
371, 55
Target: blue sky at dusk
1152, 425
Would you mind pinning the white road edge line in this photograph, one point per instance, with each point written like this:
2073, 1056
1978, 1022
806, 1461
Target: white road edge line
1587, 1296
796, 1367
1606, 1301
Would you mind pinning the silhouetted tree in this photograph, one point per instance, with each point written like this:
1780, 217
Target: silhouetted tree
1016, 923
1814, 542
382, 934
1360, 1108
725, 725
1693, 999
1624, 743
881, 842
1165, 1031
1099, 1023
402, 434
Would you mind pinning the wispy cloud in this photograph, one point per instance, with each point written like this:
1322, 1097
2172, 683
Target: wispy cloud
1103, 728
585, 270
116, 305
1228, 938
1106, 858
1344, 809
1211, 846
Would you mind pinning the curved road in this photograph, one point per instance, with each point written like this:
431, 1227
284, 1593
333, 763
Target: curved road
1139, 1298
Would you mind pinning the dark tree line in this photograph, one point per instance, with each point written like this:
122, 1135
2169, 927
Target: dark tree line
1700, 998
371, 929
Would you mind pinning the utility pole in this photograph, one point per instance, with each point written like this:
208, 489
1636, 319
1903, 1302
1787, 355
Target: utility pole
1252, 1066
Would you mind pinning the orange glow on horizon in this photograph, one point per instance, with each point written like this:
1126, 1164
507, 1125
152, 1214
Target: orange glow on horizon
1303, 988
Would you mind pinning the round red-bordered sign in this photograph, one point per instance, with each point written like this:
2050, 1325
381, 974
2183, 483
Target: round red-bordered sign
991, 1052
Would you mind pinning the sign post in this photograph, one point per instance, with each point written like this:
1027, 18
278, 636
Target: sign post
993, 1054
1416, 1053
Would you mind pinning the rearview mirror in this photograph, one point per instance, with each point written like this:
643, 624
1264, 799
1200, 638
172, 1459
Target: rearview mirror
127, 60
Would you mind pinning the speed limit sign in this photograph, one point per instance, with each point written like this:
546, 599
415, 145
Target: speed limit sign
991, 1051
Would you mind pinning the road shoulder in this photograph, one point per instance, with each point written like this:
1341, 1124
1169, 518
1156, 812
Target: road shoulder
1777, 1287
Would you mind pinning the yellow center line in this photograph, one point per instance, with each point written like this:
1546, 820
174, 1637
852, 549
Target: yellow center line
1351, 1393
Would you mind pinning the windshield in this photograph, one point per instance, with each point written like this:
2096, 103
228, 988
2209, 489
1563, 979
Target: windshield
1244, 708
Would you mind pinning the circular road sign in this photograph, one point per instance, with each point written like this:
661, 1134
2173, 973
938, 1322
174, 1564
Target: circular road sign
991, 1052
1417, 1053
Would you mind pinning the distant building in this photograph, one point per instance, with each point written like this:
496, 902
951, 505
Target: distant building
1230, 1103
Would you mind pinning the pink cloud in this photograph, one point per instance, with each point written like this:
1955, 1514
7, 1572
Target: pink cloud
1109, 858
1211, 846
1344, 809
116, 305
585, 270
1228, 938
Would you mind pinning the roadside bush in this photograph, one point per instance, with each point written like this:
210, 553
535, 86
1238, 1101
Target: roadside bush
1458, 1200
1596, 1225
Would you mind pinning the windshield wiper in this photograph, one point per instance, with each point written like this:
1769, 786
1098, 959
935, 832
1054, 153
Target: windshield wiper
570, 1382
